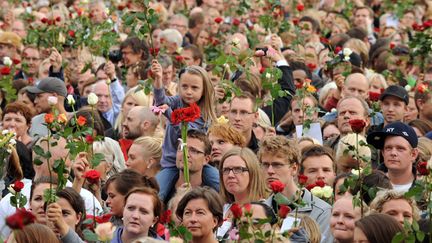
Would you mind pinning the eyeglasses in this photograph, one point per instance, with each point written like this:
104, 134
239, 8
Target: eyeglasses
274, 165
191, 150
235, 170
32, 59
241, 113
178, 26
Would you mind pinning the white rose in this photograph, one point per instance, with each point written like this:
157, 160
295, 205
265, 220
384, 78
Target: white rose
268, 76
347, 52
92, 99
52, 100
4, 132
408, 88
70, 100
429, 164
317, 191
179, 50
327, 191
236, 42
347, 58
61, 38
356, 172
29, 10
12, 141
7, 61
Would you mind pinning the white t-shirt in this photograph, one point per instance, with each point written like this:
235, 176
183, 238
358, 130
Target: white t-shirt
402, 188
6, 209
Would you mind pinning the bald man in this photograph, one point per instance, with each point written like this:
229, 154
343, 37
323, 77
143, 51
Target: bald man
140, 121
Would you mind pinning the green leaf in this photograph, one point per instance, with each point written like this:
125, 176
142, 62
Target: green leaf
281, 199
39, 150
37, 161
90, 235
399, 237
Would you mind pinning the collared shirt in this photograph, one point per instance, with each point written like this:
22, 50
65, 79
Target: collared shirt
315, 208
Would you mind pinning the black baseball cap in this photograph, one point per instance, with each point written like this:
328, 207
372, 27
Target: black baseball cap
393, 129
396, 91
49, 85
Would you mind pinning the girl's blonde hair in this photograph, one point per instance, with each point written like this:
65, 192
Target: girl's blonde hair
257, 188
152, 147
140, 97
207, 101
377, 76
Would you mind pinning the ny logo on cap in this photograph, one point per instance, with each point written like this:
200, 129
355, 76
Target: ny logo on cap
390, 129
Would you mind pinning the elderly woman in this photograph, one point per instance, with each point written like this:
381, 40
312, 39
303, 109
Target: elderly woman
396, 205
201, 212
17, 117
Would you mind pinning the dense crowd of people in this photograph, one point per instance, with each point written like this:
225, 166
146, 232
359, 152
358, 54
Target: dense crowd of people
312, 121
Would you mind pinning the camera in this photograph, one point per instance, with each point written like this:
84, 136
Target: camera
115, 56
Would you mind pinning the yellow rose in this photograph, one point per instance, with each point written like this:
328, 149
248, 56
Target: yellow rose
105, 231
317, 191
327, 191
311, 89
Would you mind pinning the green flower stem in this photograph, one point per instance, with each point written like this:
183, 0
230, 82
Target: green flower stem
184, 126
360, 179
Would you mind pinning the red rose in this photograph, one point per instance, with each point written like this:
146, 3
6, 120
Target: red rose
418, 27
165, 217
324, 40
337, 49
236, 211
71, 33
320, 183
392, 45
422, 88
218, 20
300, 7
299, 85
81, 121
103, 219
284, 210
179, 58
310, 186
16, 61
277, 186
18, 186
302, 179
295, 21
20, 218
357, 125
79, 12
377, 30
250, 27
188, 114
154, 51
236, 22
50, 22
311, 66
120, 7
49, 118
248, 208
92, 176
262, 70
374, 96
427, 24
422, 168
89, 139
44, 20
5, 70
58, 19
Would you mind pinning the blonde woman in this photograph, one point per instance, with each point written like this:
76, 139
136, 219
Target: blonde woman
144, 156
113, 161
